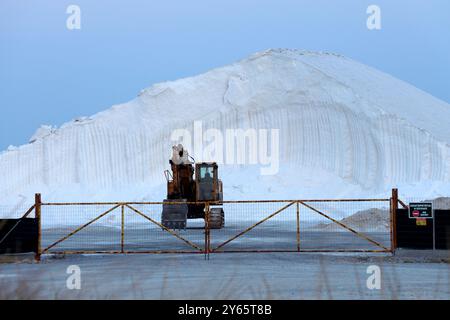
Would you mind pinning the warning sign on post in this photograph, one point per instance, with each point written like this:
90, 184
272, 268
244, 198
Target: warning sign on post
421, 222
422, 210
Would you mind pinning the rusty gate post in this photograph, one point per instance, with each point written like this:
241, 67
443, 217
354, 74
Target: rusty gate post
298, 227
394, 208
37, 210
122, 230
207, 232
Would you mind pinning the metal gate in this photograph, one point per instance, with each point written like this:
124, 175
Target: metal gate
353, 225
322, 225
113, 228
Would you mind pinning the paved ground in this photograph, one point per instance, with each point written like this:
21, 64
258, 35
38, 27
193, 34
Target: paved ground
408, 275
229, 276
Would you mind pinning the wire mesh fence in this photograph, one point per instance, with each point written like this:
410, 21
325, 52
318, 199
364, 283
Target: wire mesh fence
74, 228
440, 203
144, 231
250, 226
325, 225
113, 228
17, 211
346, 225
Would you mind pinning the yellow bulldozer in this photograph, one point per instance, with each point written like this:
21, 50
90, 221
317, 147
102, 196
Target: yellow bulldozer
189, 186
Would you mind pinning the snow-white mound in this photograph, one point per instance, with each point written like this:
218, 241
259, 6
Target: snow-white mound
345, 130
370, 220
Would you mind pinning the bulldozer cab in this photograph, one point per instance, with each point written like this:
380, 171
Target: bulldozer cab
208, 185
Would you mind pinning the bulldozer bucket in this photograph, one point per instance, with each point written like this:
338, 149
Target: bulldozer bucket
174, 214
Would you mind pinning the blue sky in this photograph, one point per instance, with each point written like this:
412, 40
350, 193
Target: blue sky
50, 75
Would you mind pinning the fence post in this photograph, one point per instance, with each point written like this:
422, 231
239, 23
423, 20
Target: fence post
37, 208
122, 231
207, 233
298, 227
434, 227
394, 208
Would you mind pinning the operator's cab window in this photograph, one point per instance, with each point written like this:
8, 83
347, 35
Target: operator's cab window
206, 173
